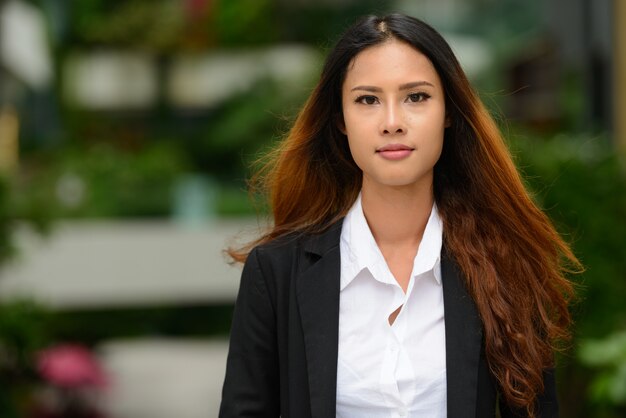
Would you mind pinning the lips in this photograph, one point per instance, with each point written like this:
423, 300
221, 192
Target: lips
394, 151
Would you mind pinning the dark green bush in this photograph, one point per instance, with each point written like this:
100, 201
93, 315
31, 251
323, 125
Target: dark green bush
23, 332
581, 184
103, 181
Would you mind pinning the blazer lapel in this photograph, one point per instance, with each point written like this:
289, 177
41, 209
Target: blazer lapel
317, 293
463, 342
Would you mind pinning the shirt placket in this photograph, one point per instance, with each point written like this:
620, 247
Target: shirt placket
388, 378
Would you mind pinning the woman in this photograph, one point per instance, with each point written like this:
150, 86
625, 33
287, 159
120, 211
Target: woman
408, 273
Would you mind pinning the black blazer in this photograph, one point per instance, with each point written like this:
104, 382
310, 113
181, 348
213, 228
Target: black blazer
282, 359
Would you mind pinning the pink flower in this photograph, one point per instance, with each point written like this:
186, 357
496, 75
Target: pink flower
70, 366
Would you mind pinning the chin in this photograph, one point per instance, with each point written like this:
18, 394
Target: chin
404, 181
398, 183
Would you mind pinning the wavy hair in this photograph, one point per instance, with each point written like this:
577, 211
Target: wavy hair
513, 260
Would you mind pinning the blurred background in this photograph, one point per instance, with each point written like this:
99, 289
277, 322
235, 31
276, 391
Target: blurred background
128, 129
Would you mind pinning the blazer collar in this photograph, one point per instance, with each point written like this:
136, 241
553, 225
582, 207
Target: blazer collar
317, 293
463, 341
319, 244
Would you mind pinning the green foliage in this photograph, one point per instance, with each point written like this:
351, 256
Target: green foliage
581, 185
23, 332
235, 133
22, 324
237, 202
103, 181
6, 246
609, 356
16, 208
246, 22
153, 25
321, 23
169, 25
96, 325
172, 25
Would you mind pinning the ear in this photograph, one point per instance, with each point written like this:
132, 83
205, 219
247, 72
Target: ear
447, 121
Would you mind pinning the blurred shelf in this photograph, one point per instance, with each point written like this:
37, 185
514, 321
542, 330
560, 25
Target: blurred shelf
120, 264
163, 378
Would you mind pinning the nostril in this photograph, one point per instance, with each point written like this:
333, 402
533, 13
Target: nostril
392, 131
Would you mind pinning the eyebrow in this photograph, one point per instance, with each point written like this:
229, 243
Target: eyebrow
405, 86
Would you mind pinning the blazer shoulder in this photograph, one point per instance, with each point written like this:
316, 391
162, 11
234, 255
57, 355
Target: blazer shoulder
277, 262
291, 246
278, 251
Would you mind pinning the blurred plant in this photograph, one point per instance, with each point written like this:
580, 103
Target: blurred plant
152, 25
172, 25
6, 245
74, 378
70, 366
23, 331
582, 186
608, 357
18, 209
103, 181
245, 22
22, 323
244, 125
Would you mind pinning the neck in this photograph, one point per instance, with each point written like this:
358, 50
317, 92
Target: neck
397, 216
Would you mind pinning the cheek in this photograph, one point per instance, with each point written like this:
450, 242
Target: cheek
351, 123
356, 149
356, 132
435, 143
432, 128
430, 139
360, 151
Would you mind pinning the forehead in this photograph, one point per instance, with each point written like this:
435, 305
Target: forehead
391, 61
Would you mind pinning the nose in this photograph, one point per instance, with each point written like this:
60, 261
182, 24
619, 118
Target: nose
392, 122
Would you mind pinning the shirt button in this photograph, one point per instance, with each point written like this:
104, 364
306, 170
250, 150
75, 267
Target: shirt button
402, 412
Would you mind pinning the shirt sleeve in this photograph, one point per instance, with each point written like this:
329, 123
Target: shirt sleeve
251, 385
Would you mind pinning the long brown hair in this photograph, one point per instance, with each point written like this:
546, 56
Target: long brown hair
513, 260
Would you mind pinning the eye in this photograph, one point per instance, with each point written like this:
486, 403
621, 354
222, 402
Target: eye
367, 100
418, 97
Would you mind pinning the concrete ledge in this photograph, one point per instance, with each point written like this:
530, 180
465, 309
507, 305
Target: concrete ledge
163, 378
109, 264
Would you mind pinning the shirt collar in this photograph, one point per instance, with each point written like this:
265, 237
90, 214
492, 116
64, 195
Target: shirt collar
363, 252
428, 255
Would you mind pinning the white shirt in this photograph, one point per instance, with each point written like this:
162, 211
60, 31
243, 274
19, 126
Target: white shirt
387, 370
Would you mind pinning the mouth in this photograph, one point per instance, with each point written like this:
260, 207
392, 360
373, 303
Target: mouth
395, 151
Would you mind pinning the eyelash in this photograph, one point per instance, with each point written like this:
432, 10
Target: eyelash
420, 97
362, 99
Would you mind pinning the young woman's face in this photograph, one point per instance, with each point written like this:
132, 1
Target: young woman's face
394, 115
